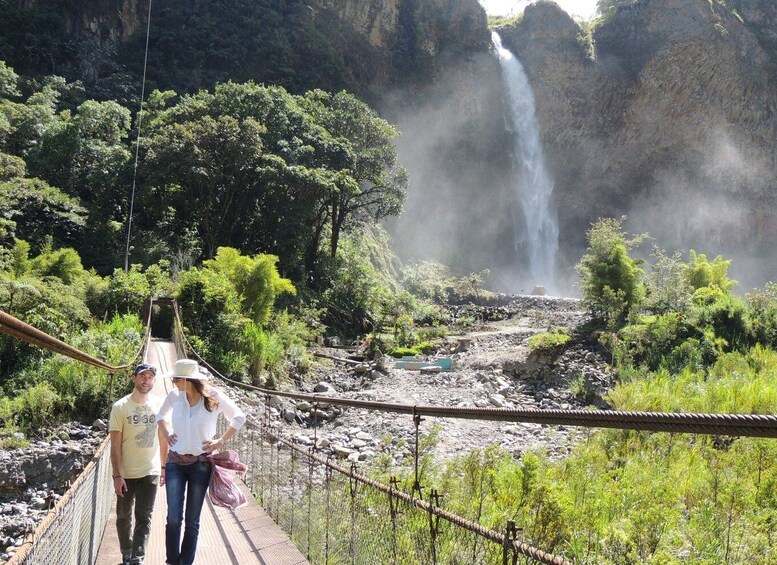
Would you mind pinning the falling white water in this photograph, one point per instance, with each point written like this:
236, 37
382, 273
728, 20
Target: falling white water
533, 184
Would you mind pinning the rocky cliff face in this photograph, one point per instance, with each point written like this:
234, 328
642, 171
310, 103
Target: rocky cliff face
416, 39
441, 23
670, 118
113, 20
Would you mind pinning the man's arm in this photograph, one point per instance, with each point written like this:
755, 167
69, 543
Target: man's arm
119, 486
163, 447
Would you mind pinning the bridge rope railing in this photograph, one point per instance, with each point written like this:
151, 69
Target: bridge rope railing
71, 531
738, 425
291, 498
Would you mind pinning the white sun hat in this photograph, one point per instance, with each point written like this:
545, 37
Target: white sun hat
188, 369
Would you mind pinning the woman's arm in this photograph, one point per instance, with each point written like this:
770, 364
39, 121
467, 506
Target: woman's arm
163, 420
218, 443
163, 447
233, 413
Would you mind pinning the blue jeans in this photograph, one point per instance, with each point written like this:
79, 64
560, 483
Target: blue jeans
193, 480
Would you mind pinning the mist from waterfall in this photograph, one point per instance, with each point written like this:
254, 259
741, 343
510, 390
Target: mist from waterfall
532, 182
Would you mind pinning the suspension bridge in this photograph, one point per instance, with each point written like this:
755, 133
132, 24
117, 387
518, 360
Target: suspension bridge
305, 506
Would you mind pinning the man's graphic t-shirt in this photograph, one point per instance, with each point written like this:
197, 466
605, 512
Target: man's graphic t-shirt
139, 440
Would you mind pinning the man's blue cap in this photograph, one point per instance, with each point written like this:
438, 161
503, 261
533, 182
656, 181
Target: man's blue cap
144, 367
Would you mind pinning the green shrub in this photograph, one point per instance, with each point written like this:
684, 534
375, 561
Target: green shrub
722, 313
38, 406
610, 278
434, 281
404, 335
651, 341
496, 22
10, 442
404, 352
666, 284
549, 340
127, 291
255, 280
8, 411
699, 272
763, 314
431, 332
427, 347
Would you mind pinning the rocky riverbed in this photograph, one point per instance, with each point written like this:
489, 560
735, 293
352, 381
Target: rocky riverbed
492, 367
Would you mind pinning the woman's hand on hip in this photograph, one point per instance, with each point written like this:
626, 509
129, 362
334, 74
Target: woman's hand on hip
210, 446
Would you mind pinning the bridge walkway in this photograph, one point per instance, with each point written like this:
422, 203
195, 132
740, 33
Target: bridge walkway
227, 537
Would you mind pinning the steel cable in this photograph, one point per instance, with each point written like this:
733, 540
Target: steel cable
743, 425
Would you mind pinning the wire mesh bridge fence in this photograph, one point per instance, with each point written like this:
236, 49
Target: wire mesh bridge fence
335, 514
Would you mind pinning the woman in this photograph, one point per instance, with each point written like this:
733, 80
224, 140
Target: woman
188, 420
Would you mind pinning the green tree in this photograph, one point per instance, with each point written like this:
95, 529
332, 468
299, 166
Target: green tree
86, 153
207, 169
8, 81
11, 167
699, 272
27, 123
610, 278
65, 264
376, 185
258, 168
34, 210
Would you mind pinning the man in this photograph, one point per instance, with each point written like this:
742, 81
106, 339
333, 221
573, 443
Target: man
137, 461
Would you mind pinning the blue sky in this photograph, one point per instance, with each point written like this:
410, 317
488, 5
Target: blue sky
577, 8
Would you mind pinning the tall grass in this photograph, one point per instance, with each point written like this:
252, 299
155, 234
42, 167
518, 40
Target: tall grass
624, 497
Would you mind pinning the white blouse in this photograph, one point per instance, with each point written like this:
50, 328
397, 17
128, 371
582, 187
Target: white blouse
194, 425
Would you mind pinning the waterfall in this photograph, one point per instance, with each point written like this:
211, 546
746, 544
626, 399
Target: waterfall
532, 182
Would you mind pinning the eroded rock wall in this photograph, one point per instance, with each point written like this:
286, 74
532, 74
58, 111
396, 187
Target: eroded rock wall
673, 120
113, 20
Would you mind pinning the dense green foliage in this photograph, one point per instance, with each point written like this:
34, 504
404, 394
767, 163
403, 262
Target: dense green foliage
687, 317
256, 168
245, 166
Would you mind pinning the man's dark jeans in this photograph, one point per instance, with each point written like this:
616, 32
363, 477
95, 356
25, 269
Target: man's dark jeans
141, 494
192, 479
